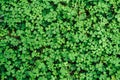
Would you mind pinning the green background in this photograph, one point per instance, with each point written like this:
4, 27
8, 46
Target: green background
59, 39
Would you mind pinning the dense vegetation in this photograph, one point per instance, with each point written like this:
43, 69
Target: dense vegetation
59, 39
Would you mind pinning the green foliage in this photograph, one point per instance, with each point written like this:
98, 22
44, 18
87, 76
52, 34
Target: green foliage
59, 39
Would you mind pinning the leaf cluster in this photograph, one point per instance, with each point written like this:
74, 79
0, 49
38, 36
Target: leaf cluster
60, 39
